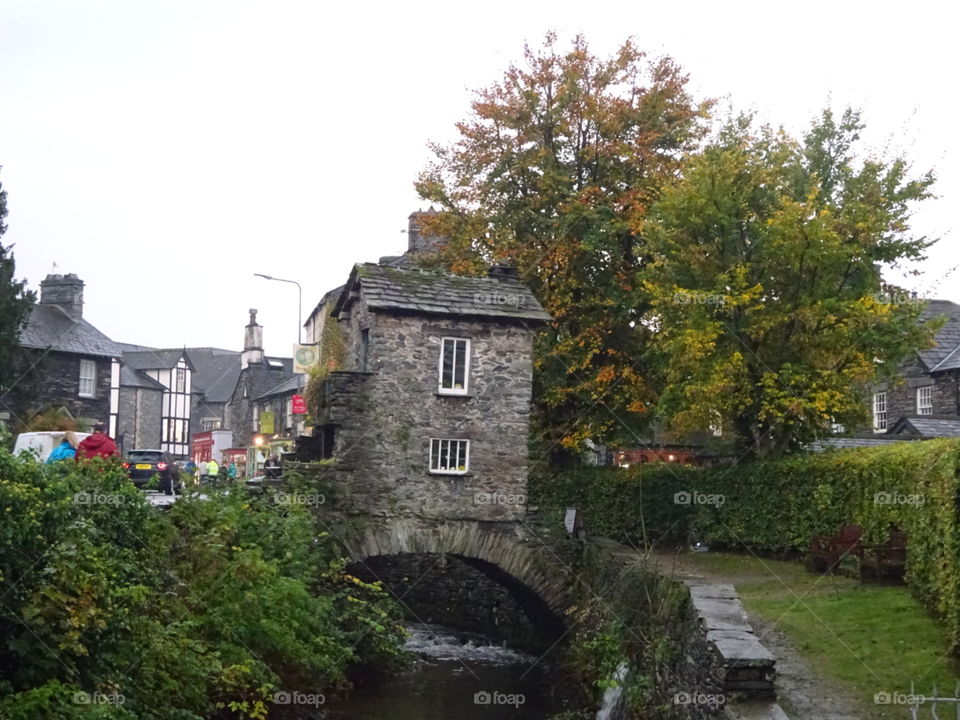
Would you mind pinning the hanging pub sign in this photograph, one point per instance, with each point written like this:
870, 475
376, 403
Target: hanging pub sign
299, 405
305, 357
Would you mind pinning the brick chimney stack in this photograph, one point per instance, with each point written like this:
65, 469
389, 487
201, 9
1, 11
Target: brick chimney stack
64, 291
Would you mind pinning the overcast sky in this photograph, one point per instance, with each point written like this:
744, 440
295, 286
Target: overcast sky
166, 151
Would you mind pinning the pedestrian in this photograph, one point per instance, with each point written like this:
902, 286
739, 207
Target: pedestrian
271, 468
202, 469
99, 444
213, 471
66, 450
232, 470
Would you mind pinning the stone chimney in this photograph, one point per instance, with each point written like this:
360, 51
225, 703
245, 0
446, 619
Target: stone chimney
64, 291
252, 342
503, 272
417, 243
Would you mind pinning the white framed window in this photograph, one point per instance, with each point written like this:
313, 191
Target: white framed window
88, 378
449, 456
925, 400
454, 366
210, 424
879, 412
181, 380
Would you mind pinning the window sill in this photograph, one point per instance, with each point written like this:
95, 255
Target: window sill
87, 397
452, 395
442, 473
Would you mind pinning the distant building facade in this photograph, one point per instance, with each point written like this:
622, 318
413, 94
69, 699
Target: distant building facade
77, 367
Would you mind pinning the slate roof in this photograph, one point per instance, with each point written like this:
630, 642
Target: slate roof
215, 372
926, 426
945, 355
134, 378
261, 378
50, 327
290, 385
329, 295
396, 289
843, 443
153, 359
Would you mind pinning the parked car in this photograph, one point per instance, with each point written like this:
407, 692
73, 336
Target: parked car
142, 465
41, 444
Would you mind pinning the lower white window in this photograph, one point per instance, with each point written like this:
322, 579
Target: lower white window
879, 412
449, 456
88, 378
210, 424
925, 400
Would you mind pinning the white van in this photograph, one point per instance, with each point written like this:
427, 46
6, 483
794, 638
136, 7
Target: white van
41, 444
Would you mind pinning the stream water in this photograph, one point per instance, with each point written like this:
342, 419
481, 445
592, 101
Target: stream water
454, 679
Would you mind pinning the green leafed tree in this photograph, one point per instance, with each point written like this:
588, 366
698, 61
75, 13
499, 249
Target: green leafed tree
15, 303
769, 312
554, 170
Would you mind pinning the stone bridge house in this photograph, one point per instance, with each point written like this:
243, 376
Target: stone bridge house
430, 417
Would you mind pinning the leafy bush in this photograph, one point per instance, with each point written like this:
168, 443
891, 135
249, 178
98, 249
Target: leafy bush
778, 506
113, 608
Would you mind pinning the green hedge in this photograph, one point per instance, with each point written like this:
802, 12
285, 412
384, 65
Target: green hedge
779, 506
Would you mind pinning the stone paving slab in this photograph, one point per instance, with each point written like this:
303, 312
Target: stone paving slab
752, 710
724, 591
721, 614
740, 648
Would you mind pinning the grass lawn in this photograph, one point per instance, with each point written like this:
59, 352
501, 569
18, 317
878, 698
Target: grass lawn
871, 638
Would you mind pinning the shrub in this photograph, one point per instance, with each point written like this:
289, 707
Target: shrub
778, 506
200, 611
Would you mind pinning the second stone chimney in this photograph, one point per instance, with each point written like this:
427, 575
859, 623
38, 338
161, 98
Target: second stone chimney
417, 243
252, 342
64, 291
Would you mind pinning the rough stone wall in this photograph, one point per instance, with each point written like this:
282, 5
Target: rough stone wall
240, 414
139, 421
59, 386
446, 590
902, 397
386, 425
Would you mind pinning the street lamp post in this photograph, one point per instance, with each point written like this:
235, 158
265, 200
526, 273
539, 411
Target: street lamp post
299, 300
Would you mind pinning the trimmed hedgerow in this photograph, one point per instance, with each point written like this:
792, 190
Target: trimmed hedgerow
778, 506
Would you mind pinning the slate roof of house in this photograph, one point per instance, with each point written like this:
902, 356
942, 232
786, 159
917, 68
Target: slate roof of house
153, 359
927, 426
215, 372
945, 355
327, 296
290, 385
842, 443
262, 378
50, 327
134, 378
438, 293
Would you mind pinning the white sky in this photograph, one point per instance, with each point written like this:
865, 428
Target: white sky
166, 151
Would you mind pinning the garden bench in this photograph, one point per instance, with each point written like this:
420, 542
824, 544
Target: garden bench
826, 551
886, 560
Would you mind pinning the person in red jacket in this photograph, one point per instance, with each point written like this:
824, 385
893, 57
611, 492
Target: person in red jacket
99, 444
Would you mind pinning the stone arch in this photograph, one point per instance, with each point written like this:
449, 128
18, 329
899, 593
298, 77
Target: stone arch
505, 552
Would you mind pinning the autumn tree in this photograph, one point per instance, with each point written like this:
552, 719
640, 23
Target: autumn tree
554, 170
15, 302
769, 310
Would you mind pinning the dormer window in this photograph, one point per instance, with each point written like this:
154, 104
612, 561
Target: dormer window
454, 366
